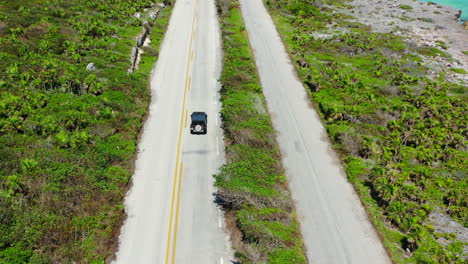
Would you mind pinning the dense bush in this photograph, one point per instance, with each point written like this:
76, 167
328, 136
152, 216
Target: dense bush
252, 186
401, 134
67, 135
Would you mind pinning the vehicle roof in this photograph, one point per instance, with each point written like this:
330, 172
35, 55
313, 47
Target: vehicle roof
199, 116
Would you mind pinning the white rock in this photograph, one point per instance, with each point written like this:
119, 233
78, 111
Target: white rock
91, 67
153, 15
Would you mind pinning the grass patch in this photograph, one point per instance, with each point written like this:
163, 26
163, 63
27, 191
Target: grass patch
406, 7
252, 185
426, 19
459, 70
400, 134
441, 44
68, 135
431, 52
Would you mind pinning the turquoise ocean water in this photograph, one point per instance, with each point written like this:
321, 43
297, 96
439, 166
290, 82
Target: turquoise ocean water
458, 4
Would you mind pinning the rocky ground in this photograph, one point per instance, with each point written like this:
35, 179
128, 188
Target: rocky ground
423, 24
445, 225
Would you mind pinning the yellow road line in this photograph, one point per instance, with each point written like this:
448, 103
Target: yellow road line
172, 210
175, 178
186, 118
177, 214
178, 171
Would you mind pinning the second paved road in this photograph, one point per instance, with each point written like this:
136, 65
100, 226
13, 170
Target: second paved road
171, 214
333, 222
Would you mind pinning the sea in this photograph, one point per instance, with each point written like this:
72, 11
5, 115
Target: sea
458, 4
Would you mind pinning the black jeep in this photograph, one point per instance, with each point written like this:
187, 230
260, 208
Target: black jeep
199, 123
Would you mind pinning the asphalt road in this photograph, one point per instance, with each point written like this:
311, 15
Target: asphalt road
334, 224
171, 214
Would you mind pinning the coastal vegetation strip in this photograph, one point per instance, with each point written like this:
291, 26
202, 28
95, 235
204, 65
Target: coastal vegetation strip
252, 185
401, 133
70, 115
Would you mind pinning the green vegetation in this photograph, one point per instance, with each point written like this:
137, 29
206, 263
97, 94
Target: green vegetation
68, 135
406, 7
426, 19
252, 185
400, 134
441, 44
458, 70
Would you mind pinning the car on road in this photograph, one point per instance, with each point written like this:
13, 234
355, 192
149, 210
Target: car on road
199, 123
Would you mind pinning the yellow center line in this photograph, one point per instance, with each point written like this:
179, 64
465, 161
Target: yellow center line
175, 177
177, 214
172, 211
178, 171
